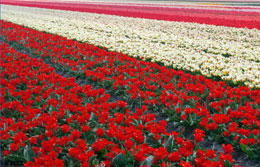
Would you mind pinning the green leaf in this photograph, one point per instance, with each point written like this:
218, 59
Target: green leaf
226, 110
227, 163
148, 161
247, 150
151, 142
149, 139
120, 160
169, 144
66, 160
191, 119
93, 117
91, 160
28, 153
90, 138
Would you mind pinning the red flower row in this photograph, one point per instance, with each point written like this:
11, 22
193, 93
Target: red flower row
192, 99
55, 122
187, 100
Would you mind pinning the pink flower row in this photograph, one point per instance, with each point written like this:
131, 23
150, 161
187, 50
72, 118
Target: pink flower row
239, 19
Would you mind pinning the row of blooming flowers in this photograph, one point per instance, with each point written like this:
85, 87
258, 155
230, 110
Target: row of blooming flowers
221, 112
214, 51
230, 16
48, 120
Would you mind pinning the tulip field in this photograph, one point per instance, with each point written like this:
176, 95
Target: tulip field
109, 84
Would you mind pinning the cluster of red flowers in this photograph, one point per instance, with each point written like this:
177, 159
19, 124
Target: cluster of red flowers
222, 17
55, 122
51, 118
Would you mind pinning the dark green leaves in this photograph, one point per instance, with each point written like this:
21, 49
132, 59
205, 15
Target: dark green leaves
148, 161
28, 153
120, 160
169, 144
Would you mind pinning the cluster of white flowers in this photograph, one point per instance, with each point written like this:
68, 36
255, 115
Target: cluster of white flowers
230, 53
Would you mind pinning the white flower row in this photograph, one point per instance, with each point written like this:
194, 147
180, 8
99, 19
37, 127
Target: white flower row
231, 53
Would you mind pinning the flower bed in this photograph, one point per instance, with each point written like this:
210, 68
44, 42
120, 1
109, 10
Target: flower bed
228, 53
49, 120
205, 16
213, 110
